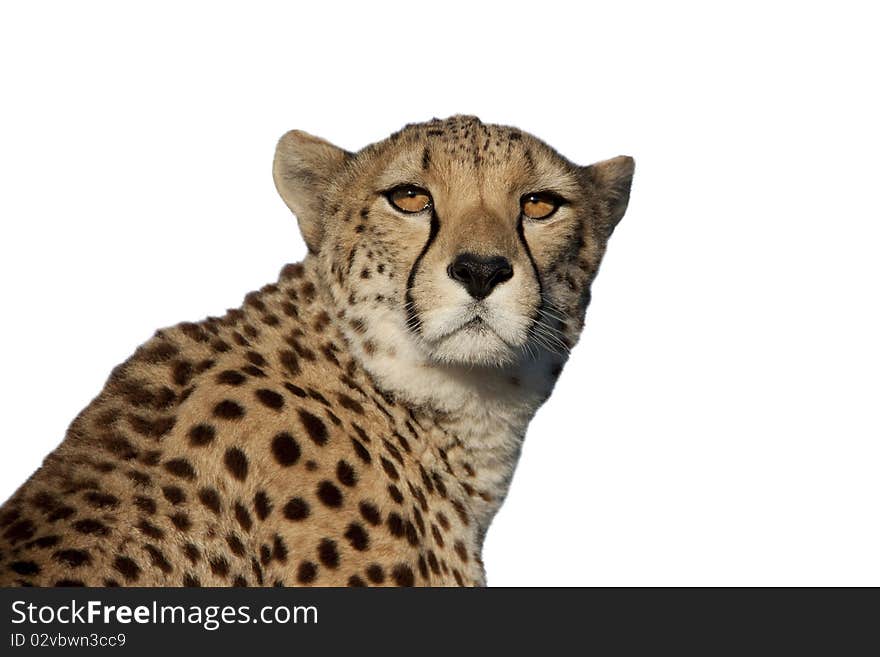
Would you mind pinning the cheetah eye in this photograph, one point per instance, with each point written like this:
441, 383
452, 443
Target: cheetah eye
540, 205
409, 198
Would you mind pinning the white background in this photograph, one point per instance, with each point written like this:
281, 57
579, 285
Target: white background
717, 424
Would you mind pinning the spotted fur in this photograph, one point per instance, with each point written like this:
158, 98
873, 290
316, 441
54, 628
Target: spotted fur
356, 422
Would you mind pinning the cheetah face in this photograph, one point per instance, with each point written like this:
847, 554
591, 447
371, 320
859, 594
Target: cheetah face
468, 243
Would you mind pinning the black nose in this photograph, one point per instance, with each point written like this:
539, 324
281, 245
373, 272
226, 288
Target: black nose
480, 274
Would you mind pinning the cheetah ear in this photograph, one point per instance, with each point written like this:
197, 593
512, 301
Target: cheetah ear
304, 165
612, 178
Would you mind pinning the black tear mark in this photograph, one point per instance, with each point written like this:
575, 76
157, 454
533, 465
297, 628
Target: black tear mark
520, 231
412, 317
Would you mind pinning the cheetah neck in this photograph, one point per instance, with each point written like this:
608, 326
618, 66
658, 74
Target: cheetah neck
481, 412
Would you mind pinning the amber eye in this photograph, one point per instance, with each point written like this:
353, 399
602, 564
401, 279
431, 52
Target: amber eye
540, 205
409, 198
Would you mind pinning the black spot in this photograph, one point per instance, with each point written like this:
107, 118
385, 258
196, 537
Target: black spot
460, 510
219, 566
21, 529
296, 390
357, 537
389, 468
391, 449
438, 537
119, 447
180, 468
306, 572
174, 494
182, 372
101, 500
333, 417
258, 572
361, 451
192, 552
419, 521
296, 509
91, 526
370, 513
444, 521
395, 493
314, 426
151, 457
44, 542
285, 449
220, 346
149, 529
24, 567
403, 575
181, 521
158, 559
211, 499
243, 517
395, 524
327, 553
290, 361
345, 473
193, 331
72, 558
253, 299
262, 505
270, 398
235, 544
228, 410
236, 462
155, 428
329, 494
411, 536
201, 435
292, 271
157, 353
60, 513
314, 394
375, 573
439, 485
231, 378
279, 549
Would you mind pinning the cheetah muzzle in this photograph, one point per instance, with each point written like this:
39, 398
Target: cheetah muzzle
358, 421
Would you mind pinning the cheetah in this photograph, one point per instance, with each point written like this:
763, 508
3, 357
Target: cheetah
358, 421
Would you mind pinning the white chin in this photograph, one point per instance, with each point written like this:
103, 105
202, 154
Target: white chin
473, 346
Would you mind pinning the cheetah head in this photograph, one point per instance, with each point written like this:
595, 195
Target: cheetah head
460, 243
